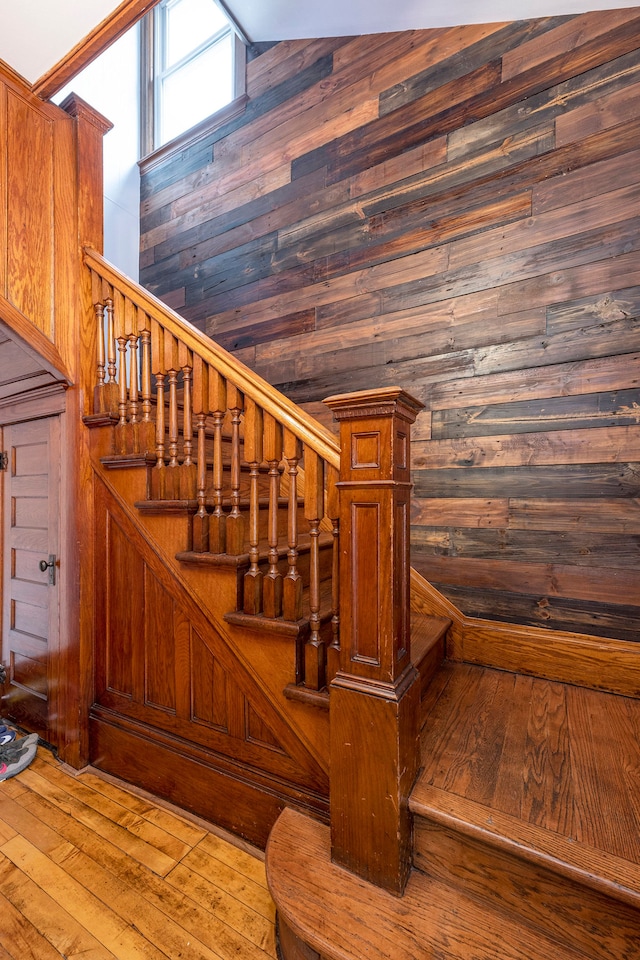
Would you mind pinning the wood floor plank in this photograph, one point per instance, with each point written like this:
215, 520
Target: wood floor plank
509, 783
239, 860
6, 832
171, 900
110, 929
184, 830
25, 824
56, 925
249, 892
547, 772
19, 939
234, 912
156, 928
128, 842
115, 811
607, 750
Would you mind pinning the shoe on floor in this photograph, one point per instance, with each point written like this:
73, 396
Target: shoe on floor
19, 757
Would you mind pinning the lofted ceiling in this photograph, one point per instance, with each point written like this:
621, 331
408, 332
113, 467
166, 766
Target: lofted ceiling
35, 35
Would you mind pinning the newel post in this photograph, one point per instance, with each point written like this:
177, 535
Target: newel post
374, 699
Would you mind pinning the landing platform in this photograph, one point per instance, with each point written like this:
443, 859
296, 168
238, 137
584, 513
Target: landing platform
526, 820
549, 765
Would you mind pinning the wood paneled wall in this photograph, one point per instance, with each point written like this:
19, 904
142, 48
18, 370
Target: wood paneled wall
38, 225
456, 212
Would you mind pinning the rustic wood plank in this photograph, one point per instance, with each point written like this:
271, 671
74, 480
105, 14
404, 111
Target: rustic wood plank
548, 46
597, 583
598, 516
563, 379
572, 480
570, 413
576, 185
587, 446
589, 119
596, 550
577, 314
611, 621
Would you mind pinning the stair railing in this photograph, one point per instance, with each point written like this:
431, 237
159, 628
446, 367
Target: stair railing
357, 492
188, 408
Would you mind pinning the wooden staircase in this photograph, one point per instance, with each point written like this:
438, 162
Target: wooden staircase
279, 559
526, 840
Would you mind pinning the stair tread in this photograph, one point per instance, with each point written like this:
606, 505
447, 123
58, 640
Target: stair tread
545, 770
325, 541
432, 919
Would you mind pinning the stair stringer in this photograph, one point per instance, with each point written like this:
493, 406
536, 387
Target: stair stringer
285, 766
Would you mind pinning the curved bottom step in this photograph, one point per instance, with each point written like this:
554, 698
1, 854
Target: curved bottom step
327, 913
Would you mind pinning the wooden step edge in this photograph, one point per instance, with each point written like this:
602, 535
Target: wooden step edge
428, 646
576, 861
293, 629
324, 908
214, 559
185, 507
302, 694
117, 461
92, 420
224, 559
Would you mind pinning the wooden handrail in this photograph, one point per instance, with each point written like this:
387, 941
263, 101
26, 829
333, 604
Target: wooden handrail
209, 405
305, 427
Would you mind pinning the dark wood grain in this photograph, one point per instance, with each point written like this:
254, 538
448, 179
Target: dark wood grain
455, 211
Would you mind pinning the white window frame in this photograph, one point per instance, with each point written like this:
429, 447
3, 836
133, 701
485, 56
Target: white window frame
153, 38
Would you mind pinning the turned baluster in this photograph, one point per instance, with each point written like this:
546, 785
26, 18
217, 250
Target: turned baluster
253, 453
200, 523
121, 442
173, 467
134, 375
272, 586
333, 513
188, 469
111, 386
122, 339
99, 405
146, 427
159, 472
292, 583
235, 520
314, 654
218, 404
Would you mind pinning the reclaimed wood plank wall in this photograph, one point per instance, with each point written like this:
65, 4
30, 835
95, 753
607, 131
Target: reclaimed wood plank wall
454, 211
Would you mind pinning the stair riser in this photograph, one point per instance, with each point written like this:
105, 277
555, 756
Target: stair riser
575, 915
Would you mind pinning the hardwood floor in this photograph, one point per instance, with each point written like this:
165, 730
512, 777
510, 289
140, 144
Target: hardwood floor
558, 758
92, 870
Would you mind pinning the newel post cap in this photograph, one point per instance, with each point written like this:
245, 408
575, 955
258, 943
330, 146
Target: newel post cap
383, 401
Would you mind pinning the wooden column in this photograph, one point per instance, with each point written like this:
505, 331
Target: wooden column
76, 334
374, 696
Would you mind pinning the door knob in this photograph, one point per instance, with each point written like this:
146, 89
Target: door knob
49, 565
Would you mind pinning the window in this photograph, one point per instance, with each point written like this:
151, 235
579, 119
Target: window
193, 61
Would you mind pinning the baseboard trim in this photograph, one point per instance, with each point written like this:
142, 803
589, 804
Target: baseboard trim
599, 663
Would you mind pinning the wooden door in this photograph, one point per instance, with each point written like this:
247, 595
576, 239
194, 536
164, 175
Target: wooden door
31, 506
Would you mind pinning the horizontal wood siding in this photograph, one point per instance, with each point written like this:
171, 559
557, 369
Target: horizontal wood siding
455, 211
